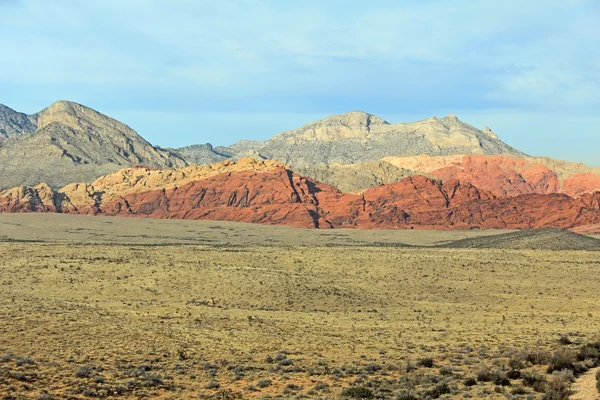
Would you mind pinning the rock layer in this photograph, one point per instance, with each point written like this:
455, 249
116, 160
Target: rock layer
267, 192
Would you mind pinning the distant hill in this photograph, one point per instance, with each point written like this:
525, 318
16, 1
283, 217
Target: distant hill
535, 239
68, 142
357, 137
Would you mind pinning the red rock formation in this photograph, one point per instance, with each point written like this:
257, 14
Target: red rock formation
502, 176
268, 193
578, 184
506, 176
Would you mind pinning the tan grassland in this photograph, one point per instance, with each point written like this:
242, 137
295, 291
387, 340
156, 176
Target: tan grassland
128, 308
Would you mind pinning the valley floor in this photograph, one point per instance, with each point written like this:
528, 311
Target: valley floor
259, 312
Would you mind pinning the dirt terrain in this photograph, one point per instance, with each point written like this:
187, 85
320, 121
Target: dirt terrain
126, 308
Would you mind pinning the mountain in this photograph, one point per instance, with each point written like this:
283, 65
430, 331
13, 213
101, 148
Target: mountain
268, 192
74, 143
357, 137
201, 154
354, 152
13, 124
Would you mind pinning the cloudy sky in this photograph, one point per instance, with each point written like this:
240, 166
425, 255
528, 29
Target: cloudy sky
194, 71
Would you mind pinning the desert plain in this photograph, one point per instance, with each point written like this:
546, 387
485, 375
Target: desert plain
109, 307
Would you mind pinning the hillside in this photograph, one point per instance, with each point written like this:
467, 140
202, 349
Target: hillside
13, 123
535, 239
73, 143
357, 137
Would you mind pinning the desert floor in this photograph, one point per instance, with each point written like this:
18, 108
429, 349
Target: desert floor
102, 307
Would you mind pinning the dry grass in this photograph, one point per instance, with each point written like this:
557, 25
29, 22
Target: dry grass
226, 321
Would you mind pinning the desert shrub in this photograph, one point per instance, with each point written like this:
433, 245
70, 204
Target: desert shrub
598, 380
534, 379
536, 356
555, 395
561, 380
562, 359
426, 362
438, 390
513, 374
564, 340
17, 376
151, 380
470, 381
484, 374
293, 386
516, 363
285, 362
213, 385
321, 386
445, 371
588, 352
499, 378
372, 368
263, 383
24, 361
85, 371
358, 392
406, 395
518, 390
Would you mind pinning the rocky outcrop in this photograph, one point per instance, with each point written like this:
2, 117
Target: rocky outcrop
267, 192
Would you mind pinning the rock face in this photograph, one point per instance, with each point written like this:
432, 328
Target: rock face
357, 137
506, 176
267, 192
75, 143
13, 124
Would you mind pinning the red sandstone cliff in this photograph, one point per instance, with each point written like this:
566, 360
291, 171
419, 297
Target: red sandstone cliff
267, 192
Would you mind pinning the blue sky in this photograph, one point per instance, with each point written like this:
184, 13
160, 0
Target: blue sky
195, 71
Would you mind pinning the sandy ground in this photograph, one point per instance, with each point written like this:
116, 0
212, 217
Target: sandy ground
585, 387
89, 229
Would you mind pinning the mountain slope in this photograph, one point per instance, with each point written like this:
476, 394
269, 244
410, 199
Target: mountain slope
13, 123
357, 137
75, 143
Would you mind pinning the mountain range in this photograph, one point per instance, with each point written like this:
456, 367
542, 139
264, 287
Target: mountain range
348, 170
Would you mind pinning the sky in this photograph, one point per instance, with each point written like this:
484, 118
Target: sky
182, 72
